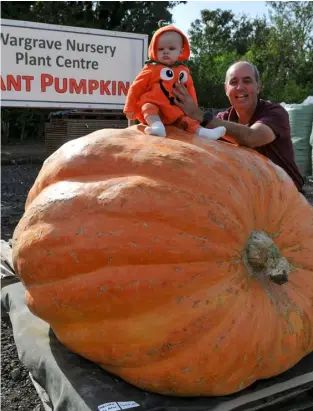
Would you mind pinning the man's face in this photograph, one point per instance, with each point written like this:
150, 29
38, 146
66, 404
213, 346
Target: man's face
241, 86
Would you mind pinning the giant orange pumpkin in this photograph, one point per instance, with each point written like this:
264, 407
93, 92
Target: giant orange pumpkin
184, 267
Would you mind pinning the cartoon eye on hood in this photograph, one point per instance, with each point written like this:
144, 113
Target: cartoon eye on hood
183, 76
167, 78
167, 74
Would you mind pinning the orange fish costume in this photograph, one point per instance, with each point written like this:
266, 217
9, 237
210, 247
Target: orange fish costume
151, 92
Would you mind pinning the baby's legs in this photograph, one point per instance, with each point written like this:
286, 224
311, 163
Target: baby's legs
193, 126
151, 115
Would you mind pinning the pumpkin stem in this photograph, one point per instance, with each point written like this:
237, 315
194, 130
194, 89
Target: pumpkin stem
262, 257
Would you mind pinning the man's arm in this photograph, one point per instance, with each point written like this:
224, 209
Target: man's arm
255, 136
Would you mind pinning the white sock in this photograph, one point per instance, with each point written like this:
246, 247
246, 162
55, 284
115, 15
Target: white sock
211, 133
156, 129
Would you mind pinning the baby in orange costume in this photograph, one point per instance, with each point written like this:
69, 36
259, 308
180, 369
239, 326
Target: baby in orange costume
150, 98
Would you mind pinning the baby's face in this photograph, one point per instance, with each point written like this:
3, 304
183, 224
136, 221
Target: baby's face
169, 48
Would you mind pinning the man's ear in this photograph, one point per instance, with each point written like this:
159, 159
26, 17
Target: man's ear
259, 87
225, 89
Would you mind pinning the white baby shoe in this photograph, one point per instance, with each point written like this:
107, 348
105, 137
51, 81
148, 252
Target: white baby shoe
156, 129
211, 133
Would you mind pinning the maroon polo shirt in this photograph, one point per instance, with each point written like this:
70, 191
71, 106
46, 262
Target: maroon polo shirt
280, 151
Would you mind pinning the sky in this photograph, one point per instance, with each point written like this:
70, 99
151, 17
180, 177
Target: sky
185, 14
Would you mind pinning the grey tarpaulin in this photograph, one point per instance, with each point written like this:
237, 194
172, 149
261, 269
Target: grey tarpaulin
8, 275
71, 383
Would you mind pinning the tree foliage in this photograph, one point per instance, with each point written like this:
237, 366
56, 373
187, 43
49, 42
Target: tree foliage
216, 41
281, 47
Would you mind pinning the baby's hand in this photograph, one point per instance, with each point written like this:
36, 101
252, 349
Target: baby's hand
130, 115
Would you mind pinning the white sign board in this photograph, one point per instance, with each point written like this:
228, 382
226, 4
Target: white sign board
45, 65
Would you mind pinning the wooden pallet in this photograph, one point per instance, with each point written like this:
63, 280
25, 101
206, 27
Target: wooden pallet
93, 115
60, 130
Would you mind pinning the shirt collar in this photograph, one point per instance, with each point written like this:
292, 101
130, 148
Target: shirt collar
234, 117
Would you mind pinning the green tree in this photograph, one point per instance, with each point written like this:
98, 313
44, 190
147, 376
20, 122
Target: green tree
216, 41
284, 57
290, 51
281, 47
221, 31
131, 16
16, 10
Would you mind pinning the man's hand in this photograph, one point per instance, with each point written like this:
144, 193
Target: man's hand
185, 102
130, 115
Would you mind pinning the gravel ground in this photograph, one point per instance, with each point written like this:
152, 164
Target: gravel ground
17, 391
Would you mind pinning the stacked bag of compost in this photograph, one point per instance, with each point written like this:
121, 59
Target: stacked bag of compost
301, 124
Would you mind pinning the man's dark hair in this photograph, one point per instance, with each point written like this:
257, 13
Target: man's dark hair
256, 72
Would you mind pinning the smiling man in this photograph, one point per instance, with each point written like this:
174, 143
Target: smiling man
250, 121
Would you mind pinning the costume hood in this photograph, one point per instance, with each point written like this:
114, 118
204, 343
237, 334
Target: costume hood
152, 52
